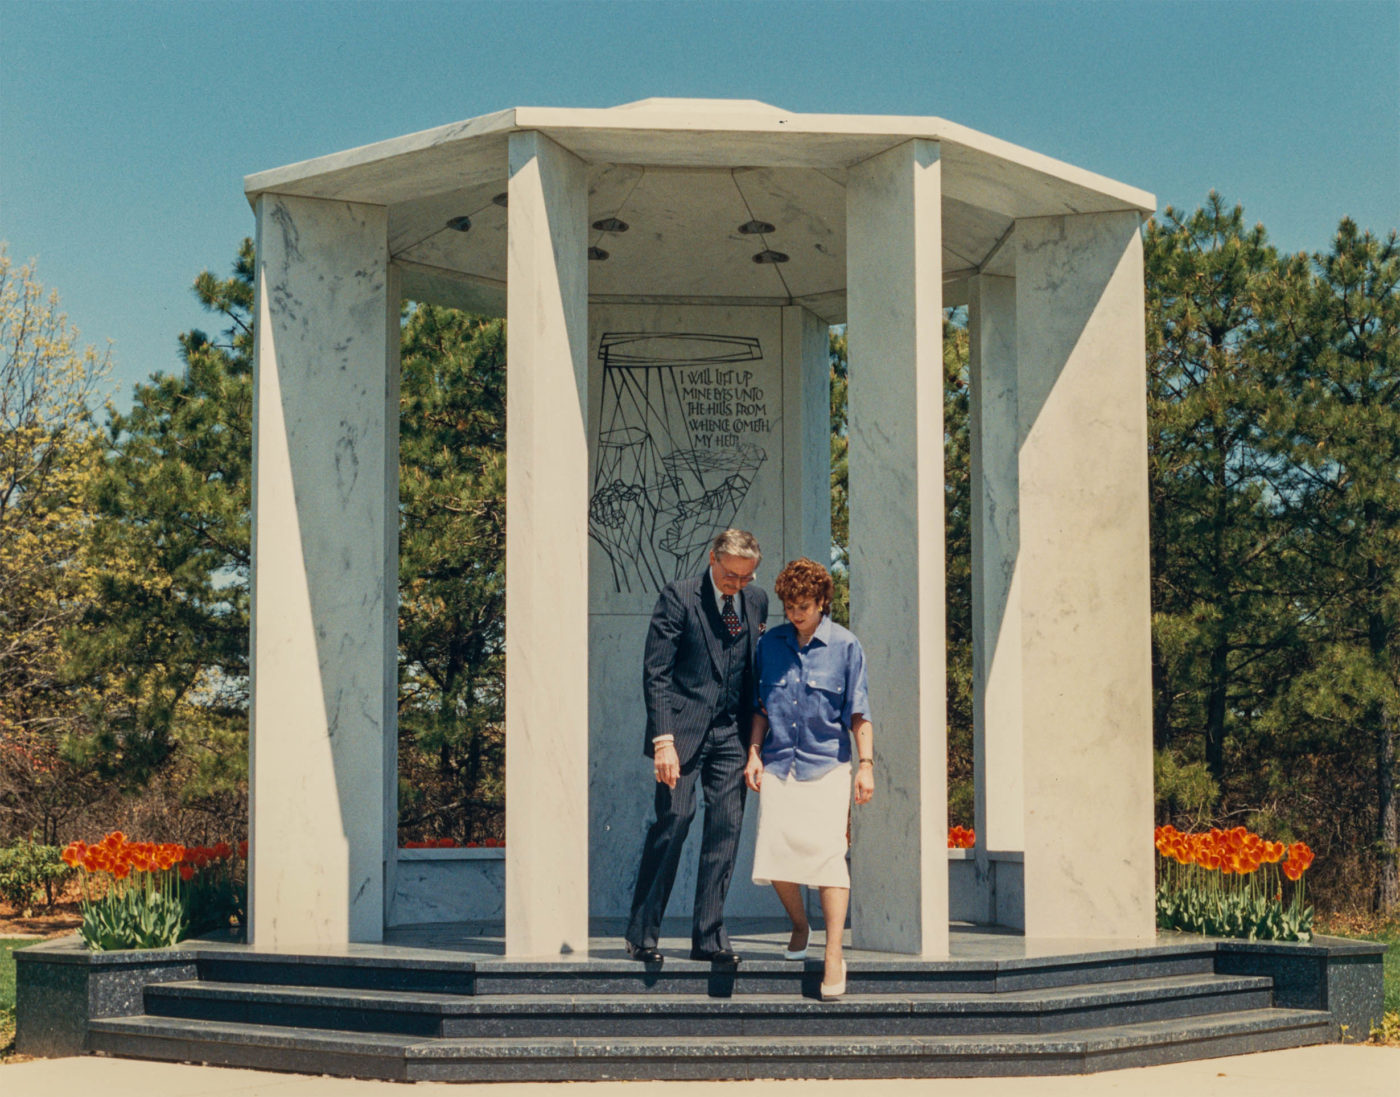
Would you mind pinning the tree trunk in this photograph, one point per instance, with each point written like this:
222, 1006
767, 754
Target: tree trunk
1215, 710
1380, 635
1388, 824
1219, 681
1161, 705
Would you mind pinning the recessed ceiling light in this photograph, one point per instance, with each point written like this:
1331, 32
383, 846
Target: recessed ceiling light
597, 254
502, 199
771, 256
755, 228
461, 224
611, 224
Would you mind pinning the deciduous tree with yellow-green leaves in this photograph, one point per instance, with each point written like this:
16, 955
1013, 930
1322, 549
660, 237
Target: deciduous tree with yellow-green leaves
49, 456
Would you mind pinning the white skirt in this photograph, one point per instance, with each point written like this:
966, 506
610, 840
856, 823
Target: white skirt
802, 829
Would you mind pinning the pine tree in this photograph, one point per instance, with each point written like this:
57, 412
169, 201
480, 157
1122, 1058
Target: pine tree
452, 576
1336, 427
1221, 621
169, 633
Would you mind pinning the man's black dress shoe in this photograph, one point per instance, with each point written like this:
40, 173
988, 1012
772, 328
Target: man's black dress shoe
726, 956
644, 955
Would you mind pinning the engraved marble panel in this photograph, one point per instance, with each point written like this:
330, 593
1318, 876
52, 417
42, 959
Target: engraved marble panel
686, 409
690, 435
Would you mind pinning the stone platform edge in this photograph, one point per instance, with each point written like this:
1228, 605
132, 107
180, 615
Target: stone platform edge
61, 986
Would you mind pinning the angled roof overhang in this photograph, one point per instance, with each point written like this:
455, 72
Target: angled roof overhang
683, 175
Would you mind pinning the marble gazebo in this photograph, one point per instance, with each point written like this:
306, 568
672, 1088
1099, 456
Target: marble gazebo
669, 270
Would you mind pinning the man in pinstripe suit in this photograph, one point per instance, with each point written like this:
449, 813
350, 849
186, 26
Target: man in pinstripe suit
697, 676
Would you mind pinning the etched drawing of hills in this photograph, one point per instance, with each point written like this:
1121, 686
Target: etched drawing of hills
660, 493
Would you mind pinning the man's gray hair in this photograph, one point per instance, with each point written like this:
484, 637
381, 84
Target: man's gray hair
737, 542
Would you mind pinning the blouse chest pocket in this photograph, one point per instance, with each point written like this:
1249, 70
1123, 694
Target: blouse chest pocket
773, 679
829, 689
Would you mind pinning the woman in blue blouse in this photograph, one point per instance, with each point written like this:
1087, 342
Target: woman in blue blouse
812, 700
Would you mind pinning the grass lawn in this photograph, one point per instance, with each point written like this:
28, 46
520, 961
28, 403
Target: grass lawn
1392, 968
7, 992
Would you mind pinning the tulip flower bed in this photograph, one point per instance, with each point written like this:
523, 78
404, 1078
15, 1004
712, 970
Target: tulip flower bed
961, 838
151, 895
452, 843
1230, 883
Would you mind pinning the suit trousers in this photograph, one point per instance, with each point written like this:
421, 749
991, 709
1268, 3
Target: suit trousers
718, 768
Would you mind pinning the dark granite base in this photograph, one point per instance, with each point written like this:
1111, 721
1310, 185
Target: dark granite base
711, 1058
403, 1013
1341, 976
60, 987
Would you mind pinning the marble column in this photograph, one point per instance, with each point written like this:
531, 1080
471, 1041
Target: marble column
325, 546
899, 877
996, 615
390, 610
806, 440
1083, 577
546, 552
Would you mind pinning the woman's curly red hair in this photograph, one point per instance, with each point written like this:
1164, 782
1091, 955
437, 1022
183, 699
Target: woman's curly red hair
803, 579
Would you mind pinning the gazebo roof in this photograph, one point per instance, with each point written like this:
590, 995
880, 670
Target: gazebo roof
684, 175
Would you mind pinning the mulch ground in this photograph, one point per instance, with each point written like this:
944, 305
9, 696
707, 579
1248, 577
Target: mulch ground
63, 917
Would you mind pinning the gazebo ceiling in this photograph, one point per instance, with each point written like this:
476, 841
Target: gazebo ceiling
683, 176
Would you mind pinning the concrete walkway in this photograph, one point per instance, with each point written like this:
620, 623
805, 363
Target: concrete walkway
1315, 1071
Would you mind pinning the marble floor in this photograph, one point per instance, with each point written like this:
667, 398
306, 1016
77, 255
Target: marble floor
755, 939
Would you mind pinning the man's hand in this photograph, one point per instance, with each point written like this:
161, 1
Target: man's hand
668, 765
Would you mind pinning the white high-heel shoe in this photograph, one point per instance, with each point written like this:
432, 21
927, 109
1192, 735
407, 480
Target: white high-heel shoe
831, 991
796, 954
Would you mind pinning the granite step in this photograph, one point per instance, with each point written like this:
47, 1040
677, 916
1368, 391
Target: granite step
513, 1015
410, 1058
680, 975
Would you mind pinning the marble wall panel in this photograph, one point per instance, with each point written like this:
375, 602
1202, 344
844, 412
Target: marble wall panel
448, 886
806, 437
622, 785
996, 615
546, 553
899, 874
657, 404
323, 544
1083, 571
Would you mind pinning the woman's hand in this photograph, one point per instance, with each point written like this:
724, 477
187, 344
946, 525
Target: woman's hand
865, 784
753, 771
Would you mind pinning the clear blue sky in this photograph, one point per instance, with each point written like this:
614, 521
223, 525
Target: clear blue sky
126, 127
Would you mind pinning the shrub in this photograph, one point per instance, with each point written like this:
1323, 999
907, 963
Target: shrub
29, 872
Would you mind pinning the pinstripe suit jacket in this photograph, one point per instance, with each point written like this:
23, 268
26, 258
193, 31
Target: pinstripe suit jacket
681, 663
